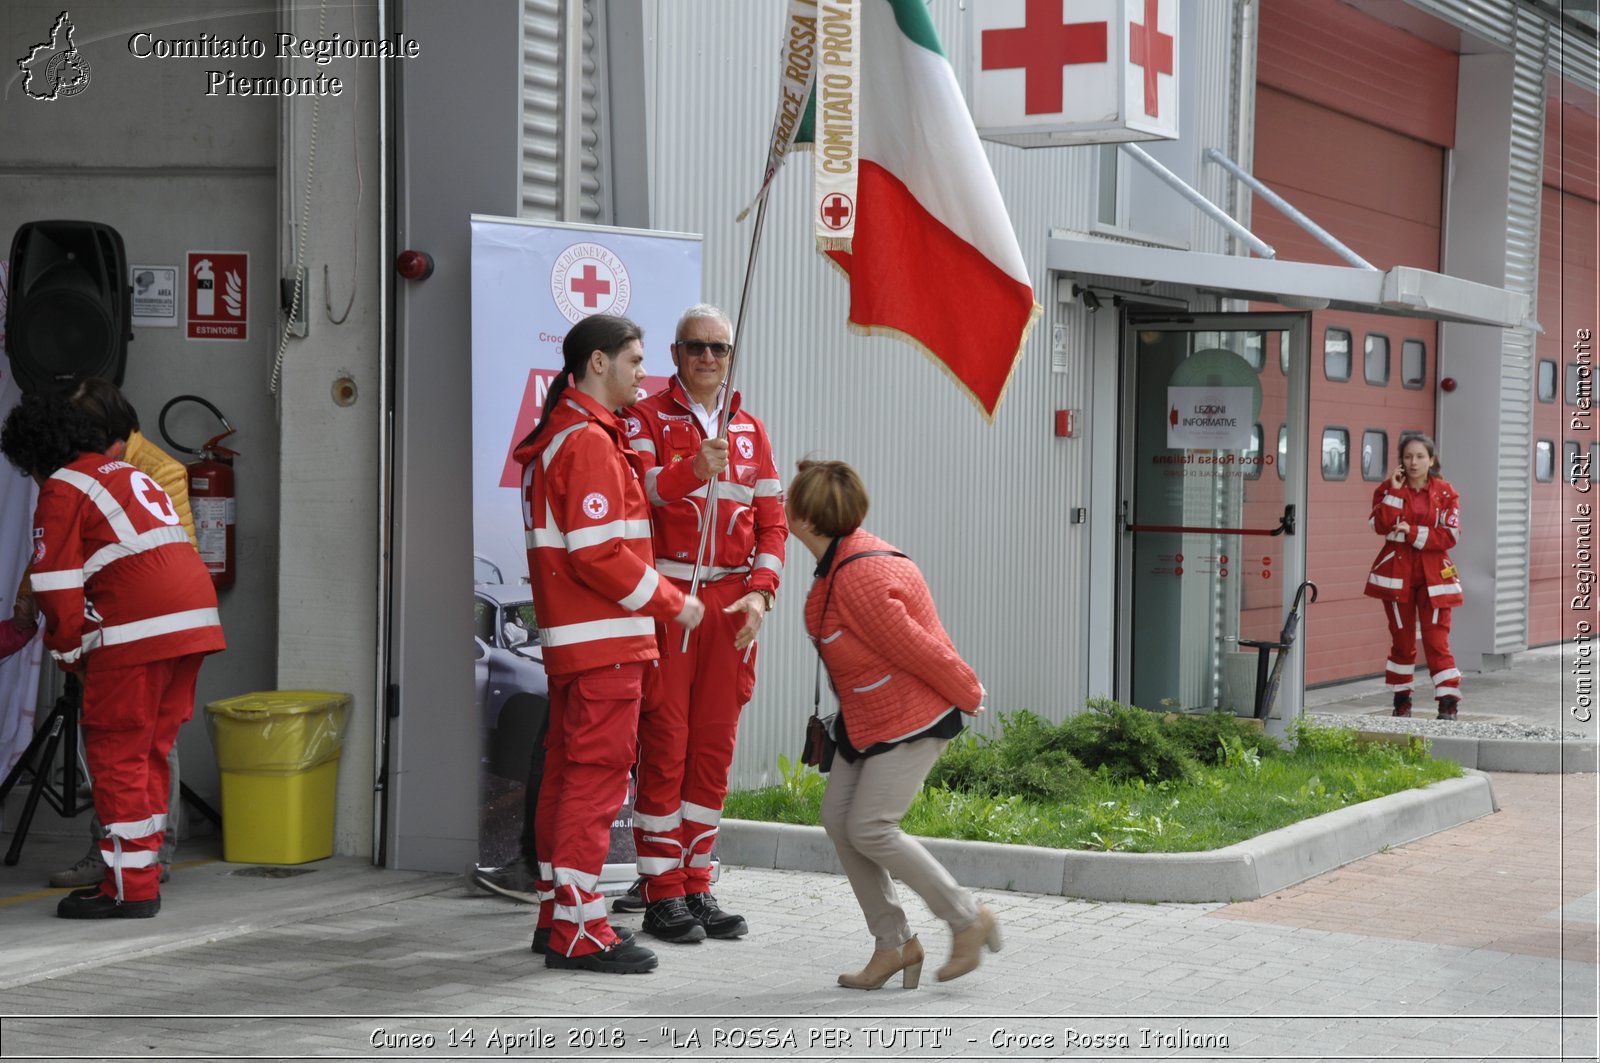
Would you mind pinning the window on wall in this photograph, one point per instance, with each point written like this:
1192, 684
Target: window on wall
1376, 361
1547, 380
1283, 352
1283, 451
1335, 453
1413, 364
1254, 350
1544, 461
1374, 455
1336, 354
1252, 457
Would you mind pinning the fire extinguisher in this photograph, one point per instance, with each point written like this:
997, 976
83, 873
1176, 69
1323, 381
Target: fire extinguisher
211, 495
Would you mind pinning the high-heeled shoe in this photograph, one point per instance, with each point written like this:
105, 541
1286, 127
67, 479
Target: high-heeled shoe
884, 963
967, 944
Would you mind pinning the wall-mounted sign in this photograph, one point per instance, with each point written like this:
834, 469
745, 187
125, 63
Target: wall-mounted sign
1214, 418
218, 284
155, 295
1048, 72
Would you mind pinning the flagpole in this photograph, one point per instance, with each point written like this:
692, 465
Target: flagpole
727, 401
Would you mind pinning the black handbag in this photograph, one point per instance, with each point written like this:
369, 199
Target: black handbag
819, 746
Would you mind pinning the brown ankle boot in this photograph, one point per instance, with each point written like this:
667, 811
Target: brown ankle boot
883, 965
967, 944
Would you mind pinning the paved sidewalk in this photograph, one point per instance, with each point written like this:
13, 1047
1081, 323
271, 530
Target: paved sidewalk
1482, 948
1538, 688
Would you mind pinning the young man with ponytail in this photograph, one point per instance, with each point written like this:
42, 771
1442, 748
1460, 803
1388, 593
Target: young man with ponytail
598, 599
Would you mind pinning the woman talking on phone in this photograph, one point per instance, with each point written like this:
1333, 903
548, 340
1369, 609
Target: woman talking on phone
1418, 514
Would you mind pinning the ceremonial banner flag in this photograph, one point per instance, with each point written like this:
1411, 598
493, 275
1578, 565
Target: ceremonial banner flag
794, 88
836, 95
933, 258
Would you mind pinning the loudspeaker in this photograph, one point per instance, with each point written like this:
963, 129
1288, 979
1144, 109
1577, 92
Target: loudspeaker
69, 311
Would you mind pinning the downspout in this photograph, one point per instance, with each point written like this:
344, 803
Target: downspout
1242, 136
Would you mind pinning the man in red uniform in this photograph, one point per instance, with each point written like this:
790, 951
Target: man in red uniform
686, 734
598, 601
128, 603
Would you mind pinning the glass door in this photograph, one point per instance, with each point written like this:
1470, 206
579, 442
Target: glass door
1213, 506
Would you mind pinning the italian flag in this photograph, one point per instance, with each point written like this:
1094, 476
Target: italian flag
934, 259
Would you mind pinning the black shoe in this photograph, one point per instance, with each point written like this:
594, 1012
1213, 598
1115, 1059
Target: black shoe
718, 923
633, 900
1447, 708
1402, 704
515, 880
618, 959
541, 938
92, 904
671, 920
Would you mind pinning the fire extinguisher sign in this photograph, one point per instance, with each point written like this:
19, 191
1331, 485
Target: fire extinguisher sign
219, 287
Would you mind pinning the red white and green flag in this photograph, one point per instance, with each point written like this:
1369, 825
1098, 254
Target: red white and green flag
905, 202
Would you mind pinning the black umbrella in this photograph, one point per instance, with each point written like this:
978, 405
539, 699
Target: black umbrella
1267, 685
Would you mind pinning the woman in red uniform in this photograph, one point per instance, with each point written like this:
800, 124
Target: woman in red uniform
1418, 514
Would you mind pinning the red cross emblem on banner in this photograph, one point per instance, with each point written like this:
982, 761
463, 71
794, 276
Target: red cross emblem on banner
1041, 47
1150, 48
836, 210
590, 285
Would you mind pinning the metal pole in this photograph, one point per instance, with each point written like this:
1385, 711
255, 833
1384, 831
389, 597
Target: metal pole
1293, 213
727, 392
1204, 205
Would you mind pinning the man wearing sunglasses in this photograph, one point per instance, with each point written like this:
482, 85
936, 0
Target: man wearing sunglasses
686, 732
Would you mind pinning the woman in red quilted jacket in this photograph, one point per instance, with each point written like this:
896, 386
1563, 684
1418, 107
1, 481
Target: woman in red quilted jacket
903, 691
1418, 514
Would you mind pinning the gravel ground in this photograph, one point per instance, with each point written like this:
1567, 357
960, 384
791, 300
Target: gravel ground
1428, 726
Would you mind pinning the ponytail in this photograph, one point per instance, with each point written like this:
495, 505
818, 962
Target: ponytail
597, 332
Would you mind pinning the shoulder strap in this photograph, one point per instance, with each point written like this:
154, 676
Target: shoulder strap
816, 690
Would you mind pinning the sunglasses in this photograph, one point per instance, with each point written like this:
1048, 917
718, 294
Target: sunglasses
696, 348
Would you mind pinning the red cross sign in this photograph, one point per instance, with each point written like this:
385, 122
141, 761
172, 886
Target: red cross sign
1060, 72
1150, 48
1041, 47
589, 285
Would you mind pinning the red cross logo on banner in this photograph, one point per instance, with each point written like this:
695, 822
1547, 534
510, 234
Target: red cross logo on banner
590, 285
836, 210
1041, 47
1150, 48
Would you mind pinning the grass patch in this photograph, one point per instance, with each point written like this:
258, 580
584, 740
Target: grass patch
1120, 779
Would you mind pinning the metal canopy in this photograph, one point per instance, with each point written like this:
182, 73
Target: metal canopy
1404, 291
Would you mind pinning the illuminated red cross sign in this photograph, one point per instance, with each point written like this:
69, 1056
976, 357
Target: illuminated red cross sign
1148, 47
590, 285
1041, 47
836, 210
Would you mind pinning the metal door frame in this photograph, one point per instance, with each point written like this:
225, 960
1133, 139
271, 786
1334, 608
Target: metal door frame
1297, 326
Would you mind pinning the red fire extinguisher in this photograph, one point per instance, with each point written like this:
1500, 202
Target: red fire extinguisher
211, 495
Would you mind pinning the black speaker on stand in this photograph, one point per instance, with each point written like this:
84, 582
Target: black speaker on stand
69, 309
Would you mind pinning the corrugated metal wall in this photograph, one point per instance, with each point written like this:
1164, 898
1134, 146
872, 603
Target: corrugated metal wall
543, 94
983, 509
1515, 482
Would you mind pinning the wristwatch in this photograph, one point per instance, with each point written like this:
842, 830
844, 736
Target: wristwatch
766, 596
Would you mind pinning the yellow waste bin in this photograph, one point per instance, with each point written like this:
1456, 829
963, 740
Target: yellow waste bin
278, 753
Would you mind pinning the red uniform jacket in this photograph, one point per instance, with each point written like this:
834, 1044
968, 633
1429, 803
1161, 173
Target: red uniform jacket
1422, 554
751, 532
891, 662
114, 571
588, 528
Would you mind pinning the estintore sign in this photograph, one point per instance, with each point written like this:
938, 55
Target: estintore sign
217, 283
1086, 72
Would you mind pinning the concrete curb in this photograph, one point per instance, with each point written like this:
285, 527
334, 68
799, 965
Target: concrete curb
1245, 871
1502, 754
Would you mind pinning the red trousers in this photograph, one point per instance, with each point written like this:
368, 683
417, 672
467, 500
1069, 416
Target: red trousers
686, 737
131, 718
1399, 671
590, 746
